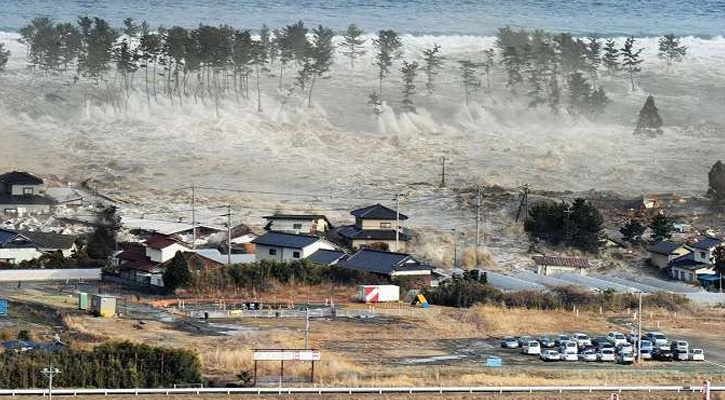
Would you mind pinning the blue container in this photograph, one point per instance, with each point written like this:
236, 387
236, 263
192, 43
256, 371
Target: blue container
494, 362
3, 307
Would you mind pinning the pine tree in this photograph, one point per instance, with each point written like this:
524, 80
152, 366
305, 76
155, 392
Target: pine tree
632, 231
375, 102
610, 59
579, 92
352, 43
594, 58
488, 64
433, 61
4, 56
649, 118
469, 78
177, 274
513, 62
388, 46
321, 52
661, 227
409, 71
716, 183
631, 59
585, 226
671, 50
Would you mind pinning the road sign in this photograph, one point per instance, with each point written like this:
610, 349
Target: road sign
3, 307
286, 355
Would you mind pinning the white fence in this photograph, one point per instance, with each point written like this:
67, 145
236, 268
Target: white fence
363, 390
82, 274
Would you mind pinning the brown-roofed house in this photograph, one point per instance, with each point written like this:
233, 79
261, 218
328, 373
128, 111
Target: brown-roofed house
552, 265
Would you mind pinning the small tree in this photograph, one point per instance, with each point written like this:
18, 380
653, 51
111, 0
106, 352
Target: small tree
632, 231
489, 58
718, 261
585, 226
321, 51
4, 56
661, 227
671, 50
376, 103
388, 46
433, 62
594, 58
409, 71
610, 59
101, 243
716, 183
352, 44
649, 118
631, 59
469, 78
177, 274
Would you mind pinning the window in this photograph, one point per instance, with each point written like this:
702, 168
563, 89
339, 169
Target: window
385, 225
295, 254
296, 226
272, 252
702, 254
27, 191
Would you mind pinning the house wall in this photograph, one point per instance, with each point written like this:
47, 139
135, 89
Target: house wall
19, 254
285, 254
244, 239
558, 269
661, 261
164, 254
376, 223
18, 190
26, 208
703, 256
307, 226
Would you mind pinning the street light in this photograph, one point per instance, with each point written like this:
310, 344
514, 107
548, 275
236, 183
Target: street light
50, 372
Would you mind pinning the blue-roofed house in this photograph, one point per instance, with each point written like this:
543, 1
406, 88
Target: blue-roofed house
327, 257
376, 225
283, 247
704, 248
392, 265
16, 247
662, 253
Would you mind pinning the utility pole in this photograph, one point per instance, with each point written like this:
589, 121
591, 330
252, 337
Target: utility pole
397, 222
567, 212
307, 328
193, 217
443, 174
50, 372
478, 222
455, 247
229, 234
526, 202
639, 330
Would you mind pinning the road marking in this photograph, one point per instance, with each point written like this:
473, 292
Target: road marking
719, 365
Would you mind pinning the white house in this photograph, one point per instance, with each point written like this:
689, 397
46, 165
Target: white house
283, 247
551, 265
376, 225
22, 192
299, 224
160, 249
704, 248
16, 247
687, 268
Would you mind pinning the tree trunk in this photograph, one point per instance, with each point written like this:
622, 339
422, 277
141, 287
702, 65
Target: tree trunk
281, 70
259, 92
312, 86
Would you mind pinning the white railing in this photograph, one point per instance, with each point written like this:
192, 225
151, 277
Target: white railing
360, 390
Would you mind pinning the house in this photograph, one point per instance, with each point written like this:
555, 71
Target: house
22, 192
49, 242
375, 226
160, 248
146, 262
552, 265
662, 253
688, 268
16, 247
144, 228
299, 224
327, 257
240, 236
283, 247
217, 257
393, 265
704, 248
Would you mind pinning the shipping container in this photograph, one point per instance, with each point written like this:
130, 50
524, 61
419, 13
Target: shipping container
103, 305
378, 293
83, 301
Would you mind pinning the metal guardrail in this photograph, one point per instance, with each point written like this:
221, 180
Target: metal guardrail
361, 390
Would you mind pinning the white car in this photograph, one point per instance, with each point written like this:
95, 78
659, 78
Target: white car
657, 338
680, 345
581, 339
549, 355
632, 337
569, 347
646, 354
588, 355
625, 357
605, 355
616, 338
679, 355
568, 356
625, 347
697, 355
531, 347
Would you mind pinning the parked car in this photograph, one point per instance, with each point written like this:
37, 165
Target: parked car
646, 354
616, 338
680, 345
564, 356
531, 347
588, 355
581, 339
632, 337
561, 339
625, 347
605, 355
549, 355
647, 345
697, 355
625, 357
524, 339
679, 355
547, 342
662, 355
606, 345
509, 342
657, 338
569, 347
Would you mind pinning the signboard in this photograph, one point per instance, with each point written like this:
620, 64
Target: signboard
493, 362
3, 307
286, 355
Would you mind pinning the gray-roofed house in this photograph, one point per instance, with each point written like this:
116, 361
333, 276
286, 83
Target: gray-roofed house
22, 192
299, 224
375, 225
327, 257
49, 242
687, 268
704, 248
662, 253
552, 265
393, 265
15, 247
283, 247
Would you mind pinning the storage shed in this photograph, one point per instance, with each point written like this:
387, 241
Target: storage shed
103, 305
83, 301
550, 265
378, 293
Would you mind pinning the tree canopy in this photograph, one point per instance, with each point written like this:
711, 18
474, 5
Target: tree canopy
577, 225
716, 183
649, 121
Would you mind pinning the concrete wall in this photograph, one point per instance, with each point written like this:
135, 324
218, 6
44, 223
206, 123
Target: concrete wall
18, 255
555, 270
25, 208
16, 275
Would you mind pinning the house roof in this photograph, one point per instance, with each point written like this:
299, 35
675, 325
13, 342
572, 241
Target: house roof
242, 229
383, 262
8, 239
49, 240
664, 247
20, 178
24, 199
355, 232
217, 256
707, 243
158, 242
7, 235
377, 211
163, 227
305, 217
288, 240
326, 257
555, 261
687, 262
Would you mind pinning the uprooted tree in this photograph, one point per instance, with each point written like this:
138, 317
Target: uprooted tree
649, 121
